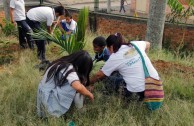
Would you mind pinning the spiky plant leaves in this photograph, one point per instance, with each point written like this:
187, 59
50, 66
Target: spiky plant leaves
75, 42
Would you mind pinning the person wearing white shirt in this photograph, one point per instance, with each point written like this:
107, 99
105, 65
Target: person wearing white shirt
68, 25
38, 15
17, 14
126, 60
63, 80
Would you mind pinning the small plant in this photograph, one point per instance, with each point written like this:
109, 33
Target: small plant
75, 42
9, 28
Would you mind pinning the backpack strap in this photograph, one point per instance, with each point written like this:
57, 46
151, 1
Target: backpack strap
143, 61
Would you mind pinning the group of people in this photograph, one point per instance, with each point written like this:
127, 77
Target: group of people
30, 22
70, 75
67, 79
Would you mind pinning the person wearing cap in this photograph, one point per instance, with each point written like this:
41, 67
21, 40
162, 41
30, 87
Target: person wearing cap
38, 15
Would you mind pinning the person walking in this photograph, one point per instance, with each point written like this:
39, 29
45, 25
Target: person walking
18, 16
122, 5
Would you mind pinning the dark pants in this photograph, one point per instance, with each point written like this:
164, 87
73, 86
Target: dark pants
122, 7
114, 82
41, 49
128, 95
24, 34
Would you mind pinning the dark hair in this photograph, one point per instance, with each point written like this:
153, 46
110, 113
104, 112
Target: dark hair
82, 64
67, 14
116, 41
99, 41
60, 10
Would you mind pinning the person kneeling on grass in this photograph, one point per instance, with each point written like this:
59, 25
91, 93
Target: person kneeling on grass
68, 25
126, 60
101, 52
62, 79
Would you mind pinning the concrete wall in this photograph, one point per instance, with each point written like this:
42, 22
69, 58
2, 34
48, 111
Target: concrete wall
133, 28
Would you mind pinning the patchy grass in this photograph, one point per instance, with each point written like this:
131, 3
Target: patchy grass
19, 81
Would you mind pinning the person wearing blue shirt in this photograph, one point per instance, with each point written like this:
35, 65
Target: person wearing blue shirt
99, 46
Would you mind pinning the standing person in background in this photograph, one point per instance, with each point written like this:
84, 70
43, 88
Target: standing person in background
63, 78
126, 60
38, 15
122, 7
68, 25
17, 14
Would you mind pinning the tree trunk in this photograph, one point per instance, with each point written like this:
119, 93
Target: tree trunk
6, 9
96, 5
156, 21
108, 6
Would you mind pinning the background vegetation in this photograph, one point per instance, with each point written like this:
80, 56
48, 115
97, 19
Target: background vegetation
19, 81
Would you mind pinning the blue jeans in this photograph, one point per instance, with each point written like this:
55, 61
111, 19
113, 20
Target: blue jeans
113, 82
41, 49
24, 32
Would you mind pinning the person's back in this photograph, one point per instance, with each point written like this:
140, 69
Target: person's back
41, 14
127, 62
63, 78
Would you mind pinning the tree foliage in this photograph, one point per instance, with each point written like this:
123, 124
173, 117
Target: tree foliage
178, 12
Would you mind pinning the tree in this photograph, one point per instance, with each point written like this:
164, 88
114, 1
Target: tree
155, 24
6, 9
96, 5
108, 6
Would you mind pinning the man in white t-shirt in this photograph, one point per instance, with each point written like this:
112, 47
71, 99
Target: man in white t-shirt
38, 15
17, 14
68, 25
126, 60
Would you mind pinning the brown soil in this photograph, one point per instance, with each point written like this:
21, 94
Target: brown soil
160, 65
165, 67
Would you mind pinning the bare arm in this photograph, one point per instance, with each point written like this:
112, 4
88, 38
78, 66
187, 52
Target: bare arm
82, 89
147, 46
98, 76
11, 14
49, 29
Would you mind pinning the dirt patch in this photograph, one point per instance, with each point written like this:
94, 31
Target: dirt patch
6, 56
6, 53
165, 67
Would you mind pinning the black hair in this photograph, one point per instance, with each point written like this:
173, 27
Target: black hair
99, 41
68, 14
116, 41
82, 64
60, 10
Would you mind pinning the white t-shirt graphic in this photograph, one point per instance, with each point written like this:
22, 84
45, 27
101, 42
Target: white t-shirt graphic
127, 62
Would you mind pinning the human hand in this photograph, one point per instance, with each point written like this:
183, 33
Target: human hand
14, 23
91, 96
91, 88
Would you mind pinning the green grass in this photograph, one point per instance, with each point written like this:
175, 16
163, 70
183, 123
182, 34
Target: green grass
18, 88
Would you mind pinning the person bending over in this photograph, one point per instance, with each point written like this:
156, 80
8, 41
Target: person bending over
62, 79
126, 60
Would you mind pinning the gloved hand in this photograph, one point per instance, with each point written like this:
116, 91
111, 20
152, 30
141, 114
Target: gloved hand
62, 37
